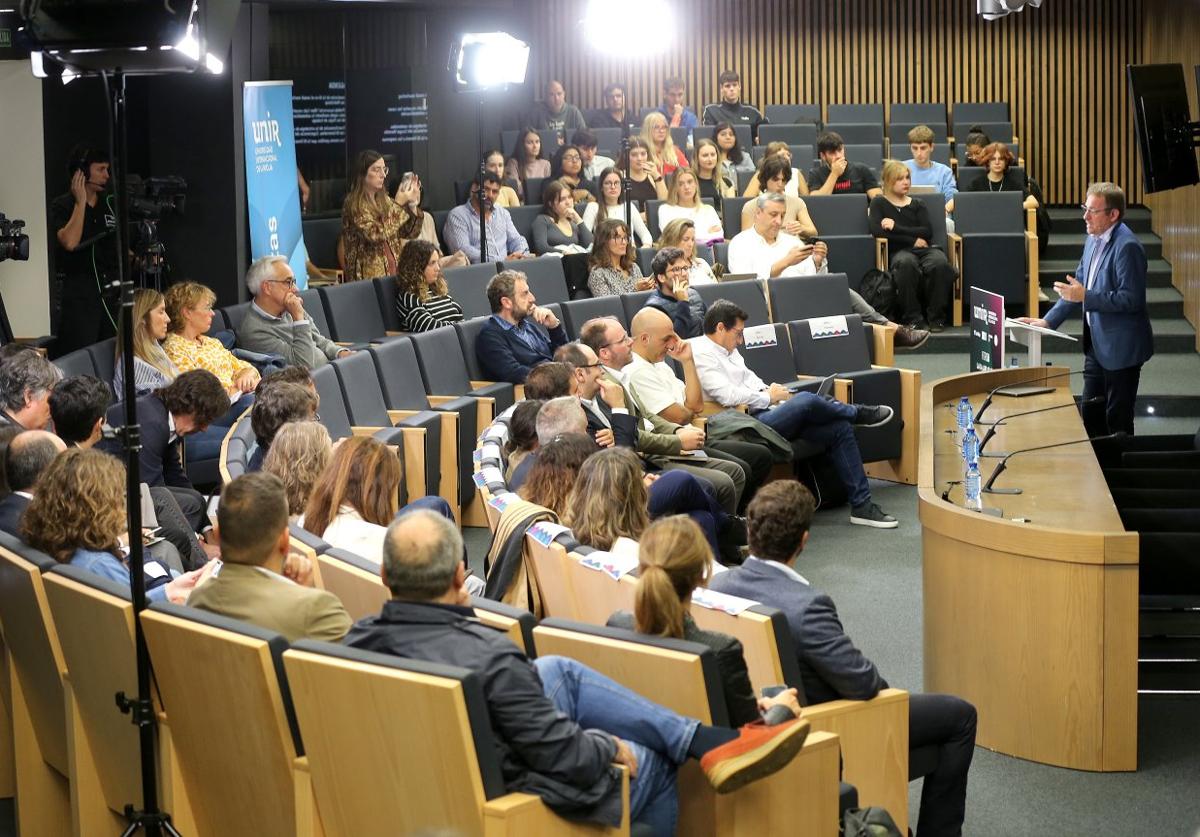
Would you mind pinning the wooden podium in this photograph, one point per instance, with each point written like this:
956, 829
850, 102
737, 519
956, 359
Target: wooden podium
1035, 622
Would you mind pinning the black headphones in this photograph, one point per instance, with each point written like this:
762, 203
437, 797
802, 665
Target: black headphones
82, 157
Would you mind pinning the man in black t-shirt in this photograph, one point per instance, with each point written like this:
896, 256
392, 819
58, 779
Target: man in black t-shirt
731, 108
835, 175
84, 221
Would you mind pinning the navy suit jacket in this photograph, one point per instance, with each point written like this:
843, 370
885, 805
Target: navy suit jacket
504, 357
1118, 322
160, 457
831, 667
11, 509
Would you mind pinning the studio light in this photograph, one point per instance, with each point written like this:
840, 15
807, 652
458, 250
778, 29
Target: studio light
605, 27
488, 61
996, 9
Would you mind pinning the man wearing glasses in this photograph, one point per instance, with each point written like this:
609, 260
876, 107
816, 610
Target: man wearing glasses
1110, 287
276, 323
673, 295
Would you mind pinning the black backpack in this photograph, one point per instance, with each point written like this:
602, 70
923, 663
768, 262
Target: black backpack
878, 288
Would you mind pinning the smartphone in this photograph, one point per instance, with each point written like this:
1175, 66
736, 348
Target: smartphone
772, 691
407, 181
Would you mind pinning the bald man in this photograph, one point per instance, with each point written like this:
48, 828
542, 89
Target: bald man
675, 403
28, 455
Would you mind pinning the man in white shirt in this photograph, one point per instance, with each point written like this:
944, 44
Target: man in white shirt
593, 163
812, 418
767, 252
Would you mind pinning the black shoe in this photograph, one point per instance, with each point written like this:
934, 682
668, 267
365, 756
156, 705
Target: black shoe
937, 326
873, 416
734, 530
869, 514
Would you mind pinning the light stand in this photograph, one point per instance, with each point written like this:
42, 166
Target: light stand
626, 180
479, 184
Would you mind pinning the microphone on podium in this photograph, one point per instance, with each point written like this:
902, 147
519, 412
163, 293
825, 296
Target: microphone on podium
988, 401
1000, 422
987, 488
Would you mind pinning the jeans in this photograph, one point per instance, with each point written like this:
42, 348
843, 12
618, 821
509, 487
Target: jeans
678, 492
948, 722
658, 737
825, 422
207, 444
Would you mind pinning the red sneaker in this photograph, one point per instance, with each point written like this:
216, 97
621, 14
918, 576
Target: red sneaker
756, 753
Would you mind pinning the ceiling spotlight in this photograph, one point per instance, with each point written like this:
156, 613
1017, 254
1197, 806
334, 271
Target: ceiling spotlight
996, 9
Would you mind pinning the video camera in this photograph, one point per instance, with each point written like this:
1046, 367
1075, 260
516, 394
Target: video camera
152, 197
13, 243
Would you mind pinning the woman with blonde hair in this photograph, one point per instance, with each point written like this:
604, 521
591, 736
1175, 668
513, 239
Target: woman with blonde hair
673, 560
299, 455
665, 155
152, 369
608, 500
681, 233
423, 300
708, 161
77, 517
683, 201
374, 226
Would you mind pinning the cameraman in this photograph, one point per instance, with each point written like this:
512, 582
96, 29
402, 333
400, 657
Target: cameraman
86, 259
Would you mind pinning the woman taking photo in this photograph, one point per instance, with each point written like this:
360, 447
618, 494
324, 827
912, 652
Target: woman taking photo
423, 301
299, 455
372, 221
567, 167
419, 226
683, 202
612, 205
647, 182
924, 278
681, 233
559, 229
526, 161
772, 178
152, 369
673, 560
1000, 177
796, 184
663, 151
612, 268
739, 165
714, 182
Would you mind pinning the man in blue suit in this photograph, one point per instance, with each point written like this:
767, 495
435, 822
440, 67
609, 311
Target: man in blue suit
1111, 290
519, 335
832, 668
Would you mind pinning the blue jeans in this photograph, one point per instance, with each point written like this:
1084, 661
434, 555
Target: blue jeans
207, 444
431, 503
678, 492
658, 737
828, 423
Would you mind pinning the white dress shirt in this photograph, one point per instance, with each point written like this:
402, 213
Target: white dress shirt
749, 252
725, 378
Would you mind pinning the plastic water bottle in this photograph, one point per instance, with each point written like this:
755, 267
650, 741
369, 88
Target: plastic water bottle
691, 140
964, 404
970, 448
974, 499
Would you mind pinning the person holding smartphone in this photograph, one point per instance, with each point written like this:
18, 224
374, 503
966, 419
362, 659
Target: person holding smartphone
408, 195
374, 225
765, 250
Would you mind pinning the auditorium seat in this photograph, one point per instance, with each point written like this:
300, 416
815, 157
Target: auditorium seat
608, 141
247, 777
634, 302
401, 773
721, 253
311, 541
439, 223
468, 286
841, 222
321, 239
825, 295
869, 154
800, 154
545, 278
386, 290
645, 257
971, 113
522, 216
353, 312
104, 358
853, 133
998, 131
932, 114
236, 448
78, 362
863, 114
571, 590
314, 309
579, 311
803, 134
234, 314
783, 114
444, 372
731, 215
998, 253
746, 293
355, 580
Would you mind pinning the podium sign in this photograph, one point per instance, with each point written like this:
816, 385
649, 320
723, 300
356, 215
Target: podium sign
987, 330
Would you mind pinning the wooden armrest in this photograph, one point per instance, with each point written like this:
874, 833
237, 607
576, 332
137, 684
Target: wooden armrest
1031, 221
884, 338
519, 814
395, 333
881, 253
399, 415
711, 408
346, 345
477, 384
364, 431
1031, 259
518, 392
438, 400
833, 708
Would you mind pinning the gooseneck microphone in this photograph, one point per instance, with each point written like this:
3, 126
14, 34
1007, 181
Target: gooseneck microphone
1000, 422
988, 401
987, 488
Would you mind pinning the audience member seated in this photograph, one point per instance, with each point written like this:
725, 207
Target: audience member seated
773, 176
831, 667
714, 182
551, 476
423, 301
673, 295
835, 175
420, 225
764, 250
999, 177
187, 405
923, 275
555, 114
612, 265
462, 226
681, 233
26, 381
152, 369
976, 147
795, 185
927, 172
298, 456
805, 416
736, 161
277, 323
612, 205
29, 454
558, 724
522, 432
526, 161
519, 334
677, 113
258, 580
567, 166
77, 516
550, 379
683, 201
372, 221
559, 229
593, 163
559, 415
493, 161
8, 432
646, 181
672, 563
614, 114
609, 499
665, 155
275, 406
731, 108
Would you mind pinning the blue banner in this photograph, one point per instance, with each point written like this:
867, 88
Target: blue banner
272, 196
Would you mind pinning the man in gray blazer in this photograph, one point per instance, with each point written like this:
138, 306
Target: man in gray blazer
831, 667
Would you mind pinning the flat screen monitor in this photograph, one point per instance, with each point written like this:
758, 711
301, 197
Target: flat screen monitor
1162, 121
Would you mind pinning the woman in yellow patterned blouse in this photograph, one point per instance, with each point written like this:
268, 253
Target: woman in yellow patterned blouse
374, 225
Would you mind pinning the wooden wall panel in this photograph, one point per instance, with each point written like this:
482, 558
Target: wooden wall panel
1171, 34
1061, 67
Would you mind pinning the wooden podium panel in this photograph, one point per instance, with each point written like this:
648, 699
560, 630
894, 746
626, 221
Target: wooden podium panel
1034, 622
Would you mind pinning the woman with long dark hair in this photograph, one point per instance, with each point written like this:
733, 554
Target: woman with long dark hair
423, 301
374, 225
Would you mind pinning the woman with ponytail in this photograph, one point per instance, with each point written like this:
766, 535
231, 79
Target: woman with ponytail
673, 560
